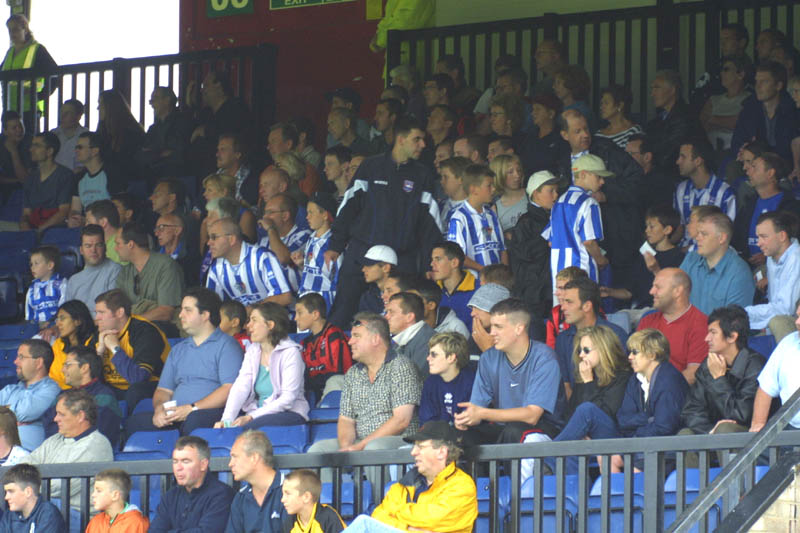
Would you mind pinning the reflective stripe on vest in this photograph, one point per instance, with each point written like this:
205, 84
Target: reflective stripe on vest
8, 64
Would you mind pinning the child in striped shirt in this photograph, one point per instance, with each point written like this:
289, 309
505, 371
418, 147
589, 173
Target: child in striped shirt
47, 291
316, 275
474, 226
452, 172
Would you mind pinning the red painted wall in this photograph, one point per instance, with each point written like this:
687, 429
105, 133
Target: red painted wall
320, 48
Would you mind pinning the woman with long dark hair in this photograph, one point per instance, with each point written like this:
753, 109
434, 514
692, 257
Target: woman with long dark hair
75, 327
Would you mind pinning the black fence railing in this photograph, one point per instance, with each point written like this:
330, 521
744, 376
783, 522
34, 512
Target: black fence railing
624, 46
251, 73
648, 501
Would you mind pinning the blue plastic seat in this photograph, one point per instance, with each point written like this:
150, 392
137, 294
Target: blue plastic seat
9, 309
324, 413
332, 399
152, 441
346, 507
135, 496
322, 431
24, 241
298, 337
65, 236
763, 344
504, 498
692, 487
287, 439
219, 440
616, 502
18, 331
145, 405
549, 491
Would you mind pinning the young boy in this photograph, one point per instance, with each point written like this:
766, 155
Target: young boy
661, 225
26, 511
232, 318
474, 226
556, 323
301, 491
110, 497
47, 291
451, 379
317, 276
376, 265
326, 352
452, 172
575, 226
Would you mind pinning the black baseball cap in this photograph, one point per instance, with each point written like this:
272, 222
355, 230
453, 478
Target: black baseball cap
435, 430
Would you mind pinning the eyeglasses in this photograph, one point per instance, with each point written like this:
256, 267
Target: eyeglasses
213, 237
161, 227
24, 357
635, 352
586, 350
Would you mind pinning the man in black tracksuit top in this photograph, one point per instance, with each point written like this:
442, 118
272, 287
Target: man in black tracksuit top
389, 202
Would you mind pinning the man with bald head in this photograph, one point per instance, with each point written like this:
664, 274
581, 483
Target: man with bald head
683, 324
241, 271
618, 197
170, 231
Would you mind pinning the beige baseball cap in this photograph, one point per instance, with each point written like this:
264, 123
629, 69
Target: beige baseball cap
591, 163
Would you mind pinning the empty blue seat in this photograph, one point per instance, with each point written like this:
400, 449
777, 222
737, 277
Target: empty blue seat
346, 507
219, 440
322, 432
24, 241
503, 496
287, 439
152, 441
549, 492
18, 331
65, 236
332, 399
324, 413
617, 502
141, 456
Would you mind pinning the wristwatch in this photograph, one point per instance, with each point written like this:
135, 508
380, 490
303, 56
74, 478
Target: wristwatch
194, 407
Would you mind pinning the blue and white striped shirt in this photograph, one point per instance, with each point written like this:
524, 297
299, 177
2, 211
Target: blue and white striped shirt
295, 240
478, 234
44, 298
257, 276
574, 219
716, 192
317, 276
448, 208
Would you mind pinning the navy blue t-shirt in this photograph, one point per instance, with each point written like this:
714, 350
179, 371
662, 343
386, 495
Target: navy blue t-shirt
763, 205
440, 398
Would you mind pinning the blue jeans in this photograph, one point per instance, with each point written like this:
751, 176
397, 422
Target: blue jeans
284, 418
588, 420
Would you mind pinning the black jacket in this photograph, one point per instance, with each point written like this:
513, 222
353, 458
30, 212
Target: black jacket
729, 397
741, 226
529, 255
752, 124
540, 154
608, 398
621, 212
668, 134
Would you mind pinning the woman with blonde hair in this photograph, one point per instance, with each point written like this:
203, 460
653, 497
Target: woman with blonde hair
11, 450
509, 183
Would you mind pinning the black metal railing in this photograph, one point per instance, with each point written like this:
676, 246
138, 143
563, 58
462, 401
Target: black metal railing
251, 77
561, 503
624, 46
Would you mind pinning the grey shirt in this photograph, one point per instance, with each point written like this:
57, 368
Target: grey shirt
92, 281
159, 283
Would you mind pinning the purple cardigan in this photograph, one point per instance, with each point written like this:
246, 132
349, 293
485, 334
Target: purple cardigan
286, 372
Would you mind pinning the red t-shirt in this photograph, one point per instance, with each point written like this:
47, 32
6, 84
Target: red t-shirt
686, 335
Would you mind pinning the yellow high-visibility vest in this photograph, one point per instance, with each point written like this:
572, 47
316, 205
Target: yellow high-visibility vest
18, 61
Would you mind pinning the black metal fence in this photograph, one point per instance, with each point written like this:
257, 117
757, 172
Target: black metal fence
251, 77
647, 501
624, 46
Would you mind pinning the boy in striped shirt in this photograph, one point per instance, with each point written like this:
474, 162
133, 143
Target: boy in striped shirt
47, 291
316, 275
474, 226
452, 172
575, 224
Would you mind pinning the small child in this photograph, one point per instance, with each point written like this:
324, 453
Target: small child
317, 276
450, 382
326, 352
301, 491
474, 226
452, 172
110, 496
232, 318
26, 511
46, 293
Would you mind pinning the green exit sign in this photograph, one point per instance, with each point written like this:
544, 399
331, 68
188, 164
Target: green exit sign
226, 8
287, 4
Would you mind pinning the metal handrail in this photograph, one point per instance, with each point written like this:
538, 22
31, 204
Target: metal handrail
731, 473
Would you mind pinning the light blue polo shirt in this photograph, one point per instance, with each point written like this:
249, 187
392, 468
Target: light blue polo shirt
780, 377
729, 282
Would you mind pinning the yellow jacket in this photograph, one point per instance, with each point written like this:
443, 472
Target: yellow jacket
450, 504
405, 15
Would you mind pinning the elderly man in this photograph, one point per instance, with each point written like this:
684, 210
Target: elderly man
719, 276
152, 281
674, 122
405, 313
197, 375
34, 394
200, 501
170, 231
683, 325
78, 440
243, 272
413, 502
83, 370
257, 506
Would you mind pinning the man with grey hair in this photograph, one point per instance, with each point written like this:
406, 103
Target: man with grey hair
719, 276
674, 121
381, 393
435, 477
78, 440
234, 259
257, 506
